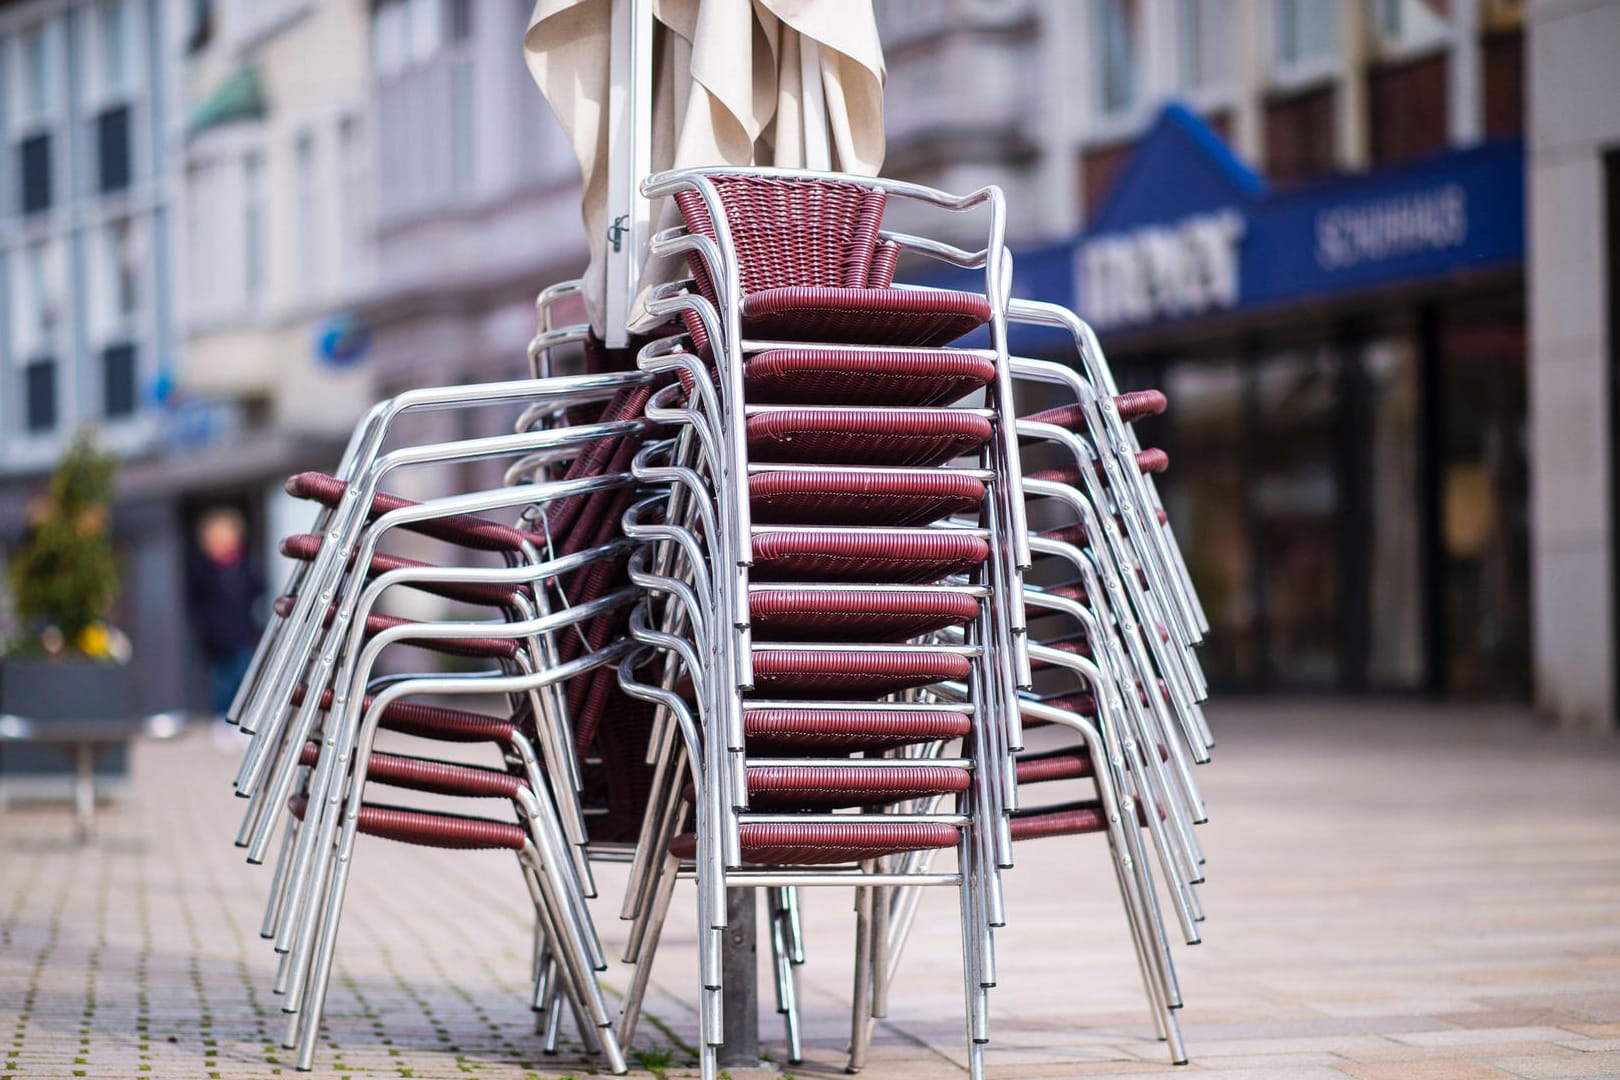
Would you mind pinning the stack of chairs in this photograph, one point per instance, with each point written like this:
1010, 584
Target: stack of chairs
771, 607
804, 564
533, 576
793, 386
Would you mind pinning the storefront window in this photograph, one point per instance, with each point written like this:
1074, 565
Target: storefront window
1206, 498
1394, 525
1484, 501
1296, 507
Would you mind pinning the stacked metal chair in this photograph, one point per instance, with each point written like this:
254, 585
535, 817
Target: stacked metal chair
553, 631
804, 564
766, 611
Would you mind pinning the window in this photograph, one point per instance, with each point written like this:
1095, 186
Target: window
1203, 43
34, 163
39, 395
1303, 33
113, 149
118, 378
113, 40
37, 301
120, 279
309, 219
407, 32
1411, 22
354, 204
253, 236
37, 96
1119, 36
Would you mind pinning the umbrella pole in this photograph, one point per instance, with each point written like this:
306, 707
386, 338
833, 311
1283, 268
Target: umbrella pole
629, 161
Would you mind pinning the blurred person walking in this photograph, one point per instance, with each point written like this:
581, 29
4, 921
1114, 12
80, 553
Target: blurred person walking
222, 590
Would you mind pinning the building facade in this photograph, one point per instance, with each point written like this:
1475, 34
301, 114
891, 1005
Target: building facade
1304, 220
1574, 182
87, 331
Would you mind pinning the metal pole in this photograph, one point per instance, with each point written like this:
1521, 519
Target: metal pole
739, 970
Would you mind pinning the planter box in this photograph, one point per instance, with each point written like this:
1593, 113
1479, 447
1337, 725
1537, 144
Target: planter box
45, 690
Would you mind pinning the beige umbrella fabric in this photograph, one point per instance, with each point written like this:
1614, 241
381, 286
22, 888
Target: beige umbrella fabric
728, 89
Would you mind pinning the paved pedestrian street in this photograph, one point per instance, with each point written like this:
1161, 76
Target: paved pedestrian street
1396, 892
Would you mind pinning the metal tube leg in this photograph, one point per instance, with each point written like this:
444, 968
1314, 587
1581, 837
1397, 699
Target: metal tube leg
860, 1018
84, 790
787, 977
630, 1011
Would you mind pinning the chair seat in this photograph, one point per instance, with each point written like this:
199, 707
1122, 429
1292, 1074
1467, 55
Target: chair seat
430, 721
1064, 764
912, 556
862, 497
430, 829
306, 546
1133, 405
433, 777
1069, 819
827, 843
826, 731
812, 614
493, 648
466, 530
811, 376
782, 673
862, 315
785, 788
917, 437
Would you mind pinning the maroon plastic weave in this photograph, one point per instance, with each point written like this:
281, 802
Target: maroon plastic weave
497, 648
855, 614
786, 731
920, 555
861, 497
827, 843
916, 437
430, 829
811, 376
787, 788
306, 546
812, 673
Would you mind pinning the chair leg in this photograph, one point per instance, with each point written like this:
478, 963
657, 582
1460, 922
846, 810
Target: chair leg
630, 1010
787, 975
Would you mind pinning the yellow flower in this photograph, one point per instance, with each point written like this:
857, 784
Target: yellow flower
94, 640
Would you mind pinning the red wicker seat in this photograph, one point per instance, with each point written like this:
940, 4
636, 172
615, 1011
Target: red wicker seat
431, 829
863, 316
827, 674
305, 546
433, 777
861, 497
827, 843
811, 376
774, 787
916, 437
491, 648
917, 555
1070, 819
464, 529
1131, 406
786, 731
1065, 764
430, 721
812, 614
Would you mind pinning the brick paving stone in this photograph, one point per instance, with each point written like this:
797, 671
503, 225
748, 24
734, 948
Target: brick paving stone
1394, 891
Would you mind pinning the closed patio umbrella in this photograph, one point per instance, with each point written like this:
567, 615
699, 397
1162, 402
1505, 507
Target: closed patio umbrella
646, 85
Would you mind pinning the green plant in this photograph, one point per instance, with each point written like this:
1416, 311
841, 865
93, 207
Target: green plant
65, 577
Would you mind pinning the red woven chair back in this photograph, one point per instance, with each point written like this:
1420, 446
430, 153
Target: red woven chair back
790, 232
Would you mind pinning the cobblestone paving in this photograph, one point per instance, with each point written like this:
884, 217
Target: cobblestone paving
1395, 893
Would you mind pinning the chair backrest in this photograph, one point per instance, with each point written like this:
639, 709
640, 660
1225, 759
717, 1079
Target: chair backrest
790, 231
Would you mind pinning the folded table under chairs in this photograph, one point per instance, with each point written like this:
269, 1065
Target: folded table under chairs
774, 606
